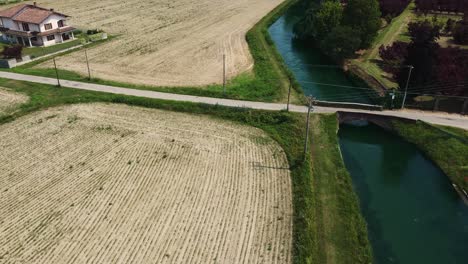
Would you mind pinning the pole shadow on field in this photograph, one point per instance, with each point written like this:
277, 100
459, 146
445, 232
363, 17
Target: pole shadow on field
259, 166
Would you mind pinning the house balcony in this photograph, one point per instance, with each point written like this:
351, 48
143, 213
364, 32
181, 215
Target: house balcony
35, 38
65, 29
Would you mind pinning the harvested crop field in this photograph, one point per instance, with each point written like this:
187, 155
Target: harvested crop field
165, 42
10, 99
98, 183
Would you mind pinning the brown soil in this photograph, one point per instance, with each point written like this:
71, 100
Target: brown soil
165, 42
103, 183
9, 100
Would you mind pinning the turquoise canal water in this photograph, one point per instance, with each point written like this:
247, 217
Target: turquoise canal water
311, 68
412, 212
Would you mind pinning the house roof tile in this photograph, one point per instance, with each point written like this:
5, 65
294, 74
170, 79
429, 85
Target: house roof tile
28, 13
11, 12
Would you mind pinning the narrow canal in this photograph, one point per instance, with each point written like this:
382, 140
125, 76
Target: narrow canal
317, 75
413, 213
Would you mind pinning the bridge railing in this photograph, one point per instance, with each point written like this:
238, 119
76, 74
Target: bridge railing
348, 105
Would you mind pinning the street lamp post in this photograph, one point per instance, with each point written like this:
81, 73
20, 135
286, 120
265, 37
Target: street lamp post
406, 88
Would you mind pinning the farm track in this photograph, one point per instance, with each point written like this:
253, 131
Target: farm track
117, 184
165, 42
10, 99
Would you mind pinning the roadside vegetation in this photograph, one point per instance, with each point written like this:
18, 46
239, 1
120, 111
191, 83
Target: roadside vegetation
447, 147
326, 211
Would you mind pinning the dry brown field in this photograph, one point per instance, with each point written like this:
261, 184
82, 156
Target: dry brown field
99, 183
165, 42
10, 99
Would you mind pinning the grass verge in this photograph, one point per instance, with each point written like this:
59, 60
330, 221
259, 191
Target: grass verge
328, 227
269, 81
342, 230
447, 149
36, 52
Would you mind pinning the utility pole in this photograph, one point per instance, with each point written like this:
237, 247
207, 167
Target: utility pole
56, 73
87, 64
310, 109
406, 88
224, 75
289, 94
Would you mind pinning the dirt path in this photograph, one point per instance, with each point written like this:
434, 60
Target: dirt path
165, 42
9, 100
118, 184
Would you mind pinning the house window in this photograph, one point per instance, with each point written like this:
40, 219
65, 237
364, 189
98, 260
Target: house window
50, 37
48, 26
34, 39
25, 26
60, 24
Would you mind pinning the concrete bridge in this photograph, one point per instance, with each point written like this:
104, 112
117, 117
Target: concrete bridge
439, 118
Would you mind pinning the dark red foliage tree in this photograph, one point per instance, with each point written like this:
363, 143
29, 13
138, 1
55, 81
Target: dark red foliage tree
14, 52
393, 7
451, 72
422, 52
455, 6
449, 26
460, 33
393, 56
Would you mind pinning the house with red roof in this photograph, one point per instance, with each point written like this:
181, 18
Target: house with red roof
31, 25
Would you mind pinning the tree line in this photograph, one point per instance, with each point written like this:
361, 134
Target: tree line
455, 6
340, 30
436, 70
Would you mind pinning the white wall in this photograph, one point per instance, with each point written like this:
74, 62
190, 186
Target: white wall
34, 27
51, 42
8, 23
54, 19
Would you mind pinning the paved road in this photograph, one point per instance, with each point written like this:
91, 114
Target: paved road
430, 117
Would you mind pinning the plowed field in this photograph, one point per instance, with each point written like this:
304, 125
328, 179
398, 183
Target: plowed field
165, 42
9, 100
101, 183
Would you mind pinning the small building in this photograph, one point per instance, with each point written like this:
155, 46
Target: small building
31, 25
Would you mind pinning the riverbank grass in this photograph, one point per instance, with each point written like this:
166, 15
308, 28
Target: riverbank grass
341, 231
447, 147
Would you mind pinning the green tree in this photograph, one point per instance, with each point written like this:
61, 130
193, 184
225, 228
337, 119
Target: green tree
364, 17
327, 17
320, 20
341, 43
